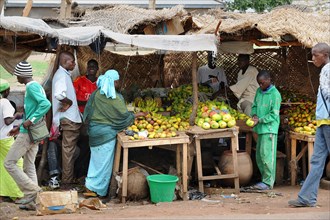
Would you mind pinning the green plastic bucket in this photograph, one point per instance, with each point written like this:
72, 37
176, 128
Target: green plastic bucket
162, 187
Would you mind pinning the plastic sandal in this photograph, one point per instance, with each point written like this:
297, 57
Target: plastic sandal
261, 186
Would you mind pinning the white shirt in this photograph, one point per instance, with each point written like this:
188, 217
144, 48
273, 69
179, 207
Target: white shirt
247, 85
62, 87
6, 111
203, 76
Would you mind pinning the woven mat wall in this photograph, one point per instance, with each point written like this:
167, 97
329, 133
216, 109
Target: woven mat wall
143, 71
288, 67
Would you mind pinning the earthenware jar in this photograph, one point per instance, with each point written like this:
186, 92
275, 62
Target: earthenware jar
245, 168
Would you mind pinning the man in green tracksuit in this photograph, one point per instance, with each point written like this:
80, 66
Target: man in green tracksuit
266, 117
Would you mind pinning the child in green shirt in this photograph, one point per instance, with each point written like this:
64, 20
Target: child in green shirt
266, 117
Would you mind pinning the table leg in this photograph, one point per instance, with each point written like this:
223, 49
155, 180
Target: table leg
248, 143
293, 165
178, 160
234, 144
199, 165
191, 154
117, 158
310, 153
124, 177
184, 171
304, 167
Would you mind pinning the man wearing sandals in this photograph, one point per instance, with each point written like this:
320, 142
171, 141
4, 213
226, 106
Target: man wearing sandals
307, 196
266, 117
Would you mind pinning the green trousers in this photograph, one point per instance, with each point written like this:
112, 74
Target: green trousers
266, 157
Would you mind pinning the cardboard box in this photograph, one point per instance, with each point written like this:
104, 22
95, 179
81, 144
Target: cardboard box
61, 202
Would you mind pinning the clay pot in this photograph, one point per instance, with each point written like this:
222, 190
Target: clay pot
327, 170
245, 168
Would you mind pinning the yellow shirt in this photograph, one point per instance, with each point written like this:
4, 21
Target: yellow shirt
322, 122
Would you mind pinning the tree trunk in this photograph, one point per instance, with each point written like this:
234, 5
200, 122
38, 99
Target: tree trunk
195, 89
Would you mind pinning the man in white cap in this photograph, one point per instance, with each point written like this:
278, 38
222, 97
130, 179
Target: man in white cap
36, 105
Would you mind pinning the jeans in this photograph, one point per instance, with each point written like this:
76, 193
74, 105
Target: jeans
309, 190
52, 156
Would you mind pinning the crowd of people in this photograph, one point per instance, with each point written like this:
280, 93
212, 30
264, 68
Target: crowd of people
92, 110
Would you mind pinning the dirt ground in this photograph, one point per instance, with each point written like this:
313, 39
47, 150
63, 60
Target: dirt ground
246, 205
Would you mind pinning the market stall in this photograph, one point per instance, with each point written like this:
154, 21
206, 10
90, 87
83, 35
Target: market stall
284, 53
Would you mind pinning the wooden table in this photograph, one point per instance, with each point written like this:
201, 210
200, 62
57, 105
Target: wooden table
309, 145
243, 128
198, 134
123, 142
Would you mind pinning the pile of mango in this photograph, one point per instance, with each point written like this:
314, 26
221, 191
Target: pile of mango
178, 97
301, 118
157, 126
214, 115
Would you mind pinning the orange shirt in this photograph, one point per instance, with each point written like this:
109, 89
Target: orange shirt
84, 88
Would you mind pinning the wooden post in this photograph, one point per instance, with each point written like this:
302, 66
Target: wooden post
27, 9
2, 7
65, 11
195, 89
152, 4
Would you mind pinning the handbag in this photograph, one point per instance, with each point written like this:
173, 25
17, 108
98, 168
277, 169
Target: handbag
38, 131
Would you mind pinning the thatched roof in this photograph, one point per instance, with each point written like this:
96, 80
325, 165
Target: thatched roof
280, 24
124, 18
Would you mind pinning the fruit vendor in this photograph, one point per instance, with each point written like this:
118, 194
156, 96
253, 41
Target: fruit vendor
212, 76
247, 85
106, 114
307, 196
266, 117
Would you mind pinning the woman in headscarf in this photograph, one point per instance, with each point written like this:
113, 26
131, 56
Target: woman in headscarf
8, 187
106, 114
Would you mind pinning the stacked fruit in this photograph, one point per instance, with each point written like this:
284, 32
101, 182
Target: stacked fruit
156, 126
214, 114
180, 98
301, 118
148, 104
291, 96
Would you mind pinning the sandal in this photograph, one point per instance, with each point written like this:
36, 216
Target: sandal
261, 186
89, 193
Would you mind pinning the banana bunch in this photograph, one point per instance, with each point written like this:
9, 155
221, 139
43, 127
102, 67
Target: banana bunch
148, 105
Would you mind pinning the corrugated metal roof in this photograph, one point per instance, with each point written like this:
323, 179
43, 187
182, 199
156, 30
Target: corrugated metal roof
140, 3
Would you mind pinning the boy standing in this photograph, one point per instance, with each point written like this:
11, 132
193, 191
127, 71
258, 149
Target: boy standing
266, 117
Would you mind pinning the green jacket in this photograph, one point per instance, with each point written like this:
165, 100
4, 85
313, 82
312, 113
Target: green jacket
266, 106
36, 104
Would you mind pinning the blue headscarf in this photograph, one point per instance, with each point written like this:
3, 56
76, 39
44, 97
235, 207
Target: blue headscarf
106, 83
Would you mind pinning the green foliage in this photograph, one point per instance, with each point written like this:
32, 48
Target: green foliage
39, 69
258, 5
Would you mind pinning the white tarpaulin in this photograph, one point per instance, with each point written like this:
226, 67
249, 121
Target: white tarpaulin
25, 24
86, 35
167, 42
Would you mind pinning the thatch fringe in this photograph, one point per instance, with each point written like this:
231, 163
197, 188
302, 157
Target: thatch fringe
124, 18
307, 28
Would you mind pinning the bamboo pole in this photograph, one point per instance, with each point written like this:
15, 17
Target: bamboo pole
195, 89
27, 8
2, 7
152, 4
